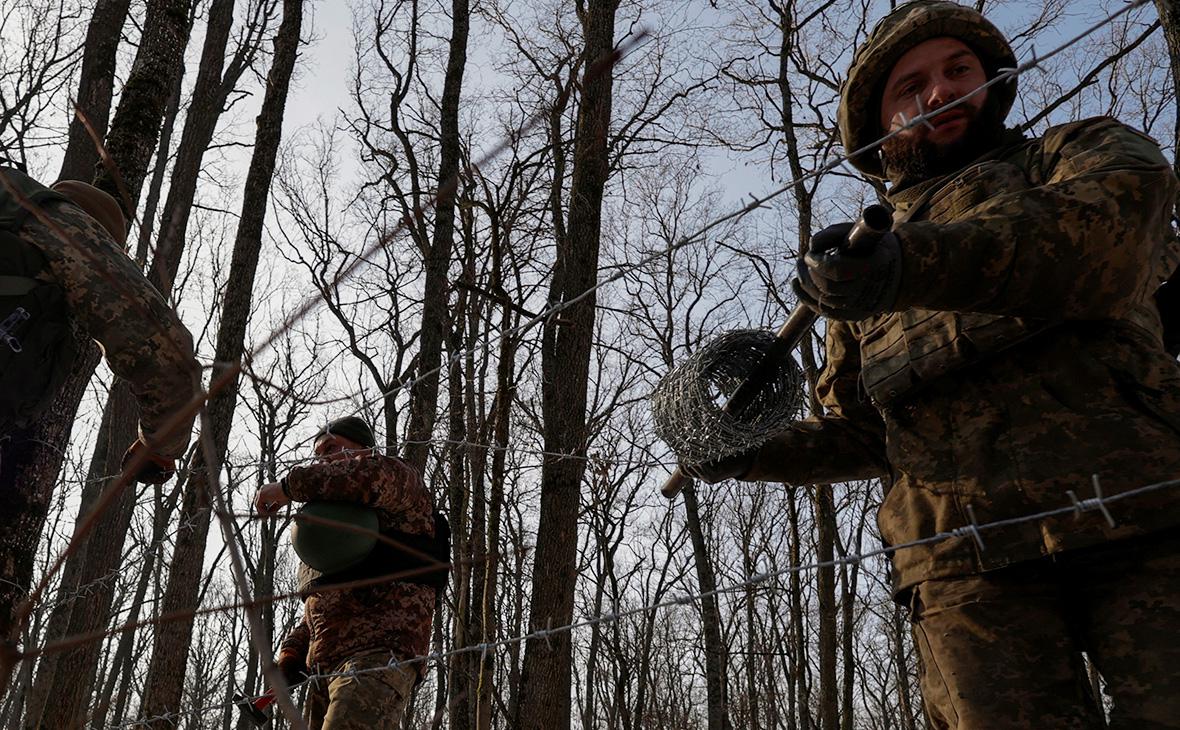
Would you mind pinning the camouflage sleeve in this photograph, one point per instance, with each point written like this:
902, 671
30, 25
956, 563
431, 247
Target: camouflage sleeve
297, 640
844, 444
375, 481
142, 338
1083, 243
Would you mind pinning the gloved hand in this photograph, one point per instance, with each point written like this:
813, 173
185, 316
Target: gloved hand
293, 666
155, 469
734, 466
849, 285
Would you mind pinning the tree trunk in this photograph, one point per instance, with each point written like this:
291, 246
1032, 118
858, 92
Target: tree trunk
131, 142
69, 694
210, 92
460, 667
908, 720
715, 685
829, 689
424, 402
122, 663
1169, 11
24, 509
135, 129
87, 564
799, 702
95, 88
165, 678
565, 365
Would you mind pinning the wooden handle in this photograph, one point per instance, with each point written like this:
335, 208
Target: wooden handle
676, 481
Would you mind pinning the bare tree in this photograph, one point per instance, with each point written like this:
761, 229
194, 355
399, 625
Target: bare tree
167, 669
545, 698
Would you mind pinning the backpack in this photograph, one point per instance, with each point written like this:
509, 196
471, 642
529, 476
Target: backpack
36, 343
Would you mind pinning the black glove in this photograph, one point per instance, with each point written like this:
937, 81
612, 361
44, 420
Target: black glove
155, 469
293, 666
734, 466
849, 285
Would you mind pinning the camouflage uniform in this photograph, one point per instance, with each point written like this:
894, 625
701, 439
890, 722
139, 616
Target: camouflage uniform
1024, 355
372, 624
107, 298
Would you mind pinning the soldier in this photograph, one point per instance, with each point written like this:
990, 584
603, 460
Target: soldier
995, 351
62, 269
360, 628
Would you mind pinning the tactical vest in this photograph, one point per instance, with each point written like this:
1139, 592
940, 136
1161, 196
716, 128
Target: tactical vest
36, 346
421, 553
902, 351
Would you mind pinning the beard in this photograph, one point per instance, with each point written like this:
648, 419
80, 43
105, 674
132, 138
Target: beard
913, 158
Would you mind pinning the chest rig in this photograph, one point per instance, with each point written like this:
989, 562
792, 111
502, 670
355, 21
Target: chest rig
902, 351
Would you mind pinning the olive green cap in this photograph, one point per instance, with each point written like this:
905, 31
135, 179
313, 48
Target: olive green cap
331, 548
915, 22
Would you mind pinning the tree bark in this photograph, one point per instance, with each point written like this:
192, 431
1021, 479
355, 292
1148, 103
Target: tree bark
829, 689
70, 692
1169, 11
565, 364
210, 92
135, 130
95, 88
165, 677
715, 684
424, 403
131, 142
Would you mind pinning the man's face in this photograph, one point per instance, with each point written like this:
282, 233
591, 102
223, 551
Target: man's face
330, 447
936, 72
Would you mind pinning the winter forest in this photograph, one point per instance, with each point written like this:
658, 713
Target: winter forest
374, 207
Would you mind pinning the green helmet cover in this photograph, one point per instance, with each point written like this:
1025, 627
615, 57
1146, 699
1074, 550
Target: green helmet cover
331, 548
910, 24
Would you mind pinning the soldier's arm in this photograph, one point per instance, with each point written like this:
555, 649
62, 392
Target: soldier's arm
1080, 245
293, 649
142, 338
844, 444
375, 481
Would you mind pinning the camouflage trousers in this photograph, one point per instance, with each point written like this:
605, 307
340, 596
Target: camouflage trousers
1004, 649
372, 700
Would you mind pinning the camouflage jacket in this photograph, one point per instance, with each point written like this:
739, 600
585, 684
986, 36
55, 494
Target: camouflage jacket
110, 299
1024, 357
393, 617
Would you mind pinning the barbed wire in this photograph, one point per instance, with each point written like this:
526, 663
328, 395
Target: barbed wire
1003, 75
197, 405
1098, 503
402, 576
1006, 75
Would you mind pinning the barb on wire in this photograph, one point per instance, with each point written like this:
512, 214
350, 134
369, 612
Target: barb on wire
1097, 503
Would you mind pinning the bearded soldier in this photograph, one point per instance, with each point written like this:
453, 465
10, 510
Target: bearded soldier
990, 356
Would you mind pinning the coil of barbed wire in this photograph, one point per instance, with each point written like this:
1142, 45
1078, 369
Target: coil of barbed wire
688, 404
